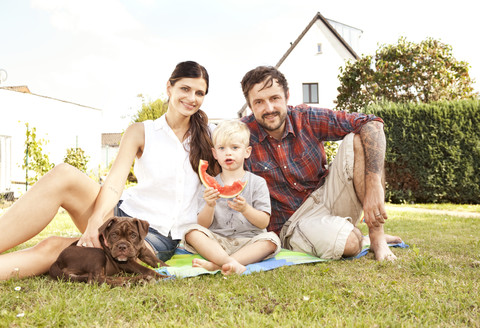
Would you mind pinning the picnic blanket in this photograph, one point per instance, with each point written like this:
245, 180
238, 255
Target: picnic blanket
180, 265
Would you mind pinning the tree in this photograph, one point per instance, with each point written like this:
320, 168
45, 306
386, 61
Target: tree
34, 159
404, 72
151, 110
77, 158
331, 148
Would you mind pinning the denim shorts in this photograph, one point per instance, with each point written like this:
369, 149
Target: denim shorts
164, 247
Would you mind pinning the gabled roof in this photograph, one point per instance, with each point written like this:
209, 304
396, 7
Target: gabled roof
25, 89
20, 88
317, 16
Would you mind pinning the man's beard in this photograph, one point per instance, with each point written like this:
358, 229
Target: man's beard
273, 126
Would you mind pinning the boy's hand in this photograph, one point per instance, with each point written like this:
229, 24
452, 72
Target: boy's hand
238, 204
210, 195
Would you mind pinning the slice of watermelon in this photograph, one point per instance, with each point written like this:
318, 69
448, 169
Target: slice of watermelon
230, 191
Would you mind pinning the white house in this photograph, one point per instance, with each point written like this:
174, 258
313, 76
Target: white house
63, 124
311, 64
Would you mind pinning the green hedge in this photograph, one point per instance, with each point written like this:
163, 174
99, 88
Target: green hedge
433, 151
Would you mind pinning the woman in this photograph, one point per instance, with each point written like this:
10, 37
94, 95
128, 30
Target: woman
167, 153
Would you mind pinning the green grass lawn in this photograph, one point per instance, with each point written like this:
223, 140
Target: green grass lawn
444, 207
434, 283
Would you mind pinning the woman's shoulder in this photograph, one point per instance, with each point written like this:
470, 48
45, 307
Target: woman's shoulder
144, 126
136, 127
135, 131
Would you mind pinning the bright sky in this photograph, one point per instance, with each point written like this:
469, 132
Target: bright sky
103, 53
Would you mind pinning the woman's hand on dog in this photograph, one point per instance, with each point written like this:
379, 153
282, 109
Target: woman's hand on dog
90, 235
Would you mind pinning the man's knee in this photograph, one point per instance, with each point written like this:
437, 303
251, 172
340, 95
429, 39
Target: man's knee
357, 142
353, 246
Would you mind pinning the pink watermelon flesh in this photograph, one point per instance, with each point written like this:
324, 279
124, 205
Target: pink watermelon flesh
230, 191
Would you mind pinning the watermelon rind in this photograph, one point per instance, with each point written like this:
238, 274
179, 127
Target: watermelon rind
230, 191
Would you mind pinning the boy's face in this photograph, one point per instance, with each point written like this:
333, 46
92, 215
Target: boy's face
231, 155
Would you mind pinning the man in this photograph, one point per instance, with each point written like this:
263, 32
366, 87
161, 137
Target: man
315, 209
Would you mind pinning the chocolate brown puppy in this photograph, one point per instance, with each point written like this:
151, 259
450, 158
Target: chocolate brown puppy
122, 241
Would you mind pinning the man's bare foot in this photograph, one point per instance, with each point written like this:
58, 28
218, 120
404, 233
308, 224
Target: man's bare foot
378, 244
207, 265
233, 267
392, 239
388, 238
383, 252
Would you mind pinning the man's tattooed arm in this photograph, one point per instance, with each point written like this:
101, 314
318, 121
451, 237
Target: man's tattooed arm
374, 145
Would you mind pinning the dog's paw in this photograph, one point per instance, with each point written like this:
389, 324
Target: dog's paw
114, 281
154, 278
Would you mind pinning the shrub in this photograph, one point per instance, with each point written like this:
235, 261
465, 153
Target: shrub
77, 158
35, 160
151, 110
433, 151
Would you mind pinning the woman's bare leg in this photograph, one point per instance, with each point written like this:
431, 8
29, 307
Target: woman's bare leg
64, 186
32, 261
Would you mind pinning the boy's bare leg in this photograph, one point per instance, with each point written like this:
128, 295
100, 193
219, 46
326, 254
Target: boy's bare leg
251, 253
207, 265
255, 252
213, 252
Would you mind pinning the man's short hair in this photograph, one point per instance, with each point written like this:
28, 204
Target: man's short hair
231, 131
265, 74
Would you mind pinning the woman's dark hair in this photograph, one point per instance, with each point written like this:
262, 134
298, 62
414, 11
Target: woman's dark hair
200, 137
189, 69
265, 74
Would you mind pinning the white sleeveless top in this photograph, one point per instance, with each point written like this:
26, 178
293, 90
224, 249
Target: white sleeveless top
167, 188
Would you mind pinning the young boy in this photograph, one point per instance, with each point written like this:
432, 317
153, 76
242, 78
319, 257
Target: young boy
232, 233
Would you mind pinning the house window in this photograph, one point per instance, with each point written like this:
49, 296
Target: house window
319, 48
310, 93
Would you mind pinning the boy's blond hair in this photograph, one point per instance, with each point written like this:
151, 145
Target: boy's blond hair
232, 130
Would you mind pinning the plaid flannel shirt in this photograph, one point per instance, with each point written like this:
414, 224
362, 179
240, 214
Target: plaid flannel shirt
295, 166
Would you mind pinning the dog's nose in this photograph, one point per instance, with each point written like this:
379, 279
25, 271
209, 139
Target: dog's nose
122, 247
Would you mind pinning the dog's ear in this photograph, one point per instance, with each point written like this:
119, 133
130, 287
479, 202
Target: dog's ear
103, 240
142, 227
107, 224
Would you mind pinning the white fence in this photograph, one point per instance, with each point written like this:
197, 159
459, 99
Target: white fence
5, 163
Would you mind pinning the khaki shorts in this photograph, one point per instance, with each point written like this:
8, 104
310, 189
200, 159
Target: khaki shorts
323, 223
232, 245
